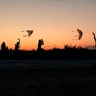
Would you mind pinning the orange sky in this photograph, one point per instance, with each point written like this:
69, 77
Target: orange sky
53, 21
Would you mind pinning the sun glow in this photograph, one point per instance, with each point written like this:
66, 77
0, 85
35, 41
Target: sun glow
51, 21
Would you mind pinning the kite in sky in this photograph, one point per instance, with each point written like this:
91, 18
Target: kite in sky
94, 38
29, 33
80, 34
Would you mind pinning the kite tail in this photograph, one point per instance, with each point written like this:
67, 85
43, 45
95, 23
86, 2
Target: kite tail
25, 35
76, 36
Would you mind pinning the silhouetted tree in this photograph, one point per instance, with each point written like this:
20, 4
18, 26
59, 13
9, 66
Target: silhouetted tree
67, 47
17, 45
40, 43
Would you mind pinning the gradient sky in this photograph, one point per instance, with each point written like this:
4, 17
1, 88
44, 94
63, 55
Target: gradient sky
52, 20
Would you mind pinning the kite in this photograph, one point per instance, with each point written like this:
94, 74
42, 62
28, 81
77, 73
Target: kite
94, 36
29, 33
80, 34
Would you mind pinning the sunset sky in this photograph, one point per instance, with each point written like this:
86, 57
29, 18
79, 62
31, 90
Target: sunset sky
52, 20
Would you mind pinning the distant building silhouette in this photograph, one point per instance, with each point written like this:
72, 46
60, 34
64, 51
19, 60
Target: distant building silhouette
17, 45
40, 43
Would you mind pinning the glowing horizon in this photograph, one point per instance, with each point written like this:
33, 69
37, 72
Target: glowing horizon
51, 21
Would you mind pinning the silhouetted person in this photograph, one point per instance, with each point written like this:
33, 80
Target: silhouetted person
4, 50
17, 45
94, 38
40, 43
3, 47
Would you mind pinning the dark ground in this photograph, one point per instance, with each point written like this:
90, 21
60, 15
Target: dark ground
48, 78
27, 81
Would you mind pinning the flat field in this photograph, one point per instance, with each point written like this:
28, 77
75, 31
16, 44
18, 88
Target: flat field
48, 78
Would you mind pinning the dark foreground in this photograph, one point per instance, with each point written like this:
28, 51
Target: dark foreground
29, 81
